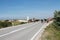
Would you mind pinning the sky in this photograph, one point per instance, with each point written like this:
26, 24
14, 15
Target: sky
32, 8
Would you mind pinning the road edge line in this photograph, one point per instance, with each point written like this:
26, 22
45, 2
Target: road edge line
44, 26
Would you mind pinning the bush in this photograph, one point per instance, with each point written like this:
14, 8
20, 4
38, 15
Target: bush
22, 22
57, 19
5, 24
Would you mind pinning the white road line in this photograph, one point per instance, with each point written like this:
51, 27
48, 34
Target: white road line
41, 29
37, 33
12, 32
15, 31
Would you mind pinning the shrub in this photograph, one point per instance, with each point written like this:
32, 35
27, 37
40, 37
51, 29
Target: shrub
5, 24
57, 19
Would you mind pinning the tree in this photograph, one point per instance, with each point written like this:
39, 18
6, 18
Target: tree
57, 19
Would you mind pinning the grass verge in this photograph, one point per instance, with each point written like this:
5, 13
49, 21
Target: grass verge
51, 33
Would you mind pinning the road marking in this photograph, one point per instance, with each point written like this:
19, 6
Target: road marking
12, 32
16, 30
36, 34
44, 26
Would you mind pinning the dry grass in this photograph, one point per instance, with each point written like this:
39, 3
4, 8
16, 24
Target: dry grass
51, 33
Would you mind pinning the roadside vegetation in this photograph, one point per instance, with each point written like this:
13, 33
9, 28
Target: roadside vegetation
7, 23
52, 32
16, 22
10, 23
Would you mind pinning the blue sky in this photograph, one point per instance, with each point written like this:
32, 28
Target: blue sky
31, 8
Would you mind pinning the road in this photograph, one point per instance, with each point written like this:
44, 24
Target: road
20, 32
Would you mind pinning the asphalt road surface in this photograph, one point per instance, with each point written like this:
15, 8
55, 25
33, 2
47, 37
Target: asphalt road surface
20, 32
